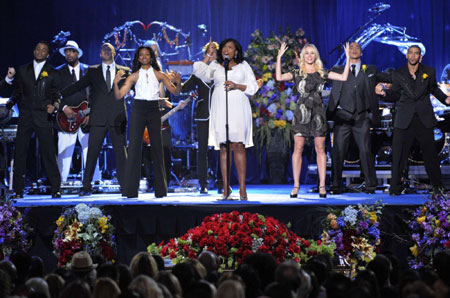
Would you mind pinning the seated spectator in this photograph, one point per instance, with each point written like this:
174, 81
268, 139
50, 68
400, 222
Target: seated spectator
38, 287
55, 284
171, 282
146, 286
143, 263
230, 289
76, 289
105, 287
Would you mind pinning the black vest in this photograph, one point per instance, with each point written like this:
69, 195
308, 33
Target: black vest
352, 98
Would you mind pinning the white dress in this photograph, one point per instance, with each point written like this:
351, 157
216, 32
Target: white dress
239, 109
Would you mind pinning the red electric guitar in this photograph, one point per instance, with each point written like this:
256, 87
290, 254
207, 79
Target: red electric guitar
71, 125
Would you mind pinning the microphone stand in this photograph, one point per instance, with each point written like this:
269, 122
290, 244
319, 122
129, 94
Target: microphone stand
227, 136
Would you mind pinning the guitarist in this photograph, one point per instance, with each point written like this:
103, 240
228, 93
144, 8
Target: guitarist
69, 73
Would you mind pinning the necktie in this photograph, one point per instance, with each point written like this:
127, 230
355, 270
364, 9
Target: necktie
108, 78
74, 77
354, 69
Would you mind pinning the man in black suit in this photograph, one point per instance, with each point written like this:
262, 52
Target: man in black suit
69, 73
414, 117
36, 94
107, 114
354, 108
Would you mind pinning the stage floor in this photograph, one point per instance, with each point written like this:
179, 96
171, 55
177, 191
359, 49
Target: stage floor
257, 195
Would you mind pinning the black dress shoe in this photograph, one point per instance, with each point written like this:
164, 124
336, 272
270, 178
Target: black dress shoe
394, 193
368, 190
16, 196
335, 190
56, 195
85, 193
203, 190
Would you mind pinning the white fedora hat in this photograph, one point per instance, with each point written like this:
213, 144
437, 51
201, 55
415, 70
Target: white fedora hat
70, 44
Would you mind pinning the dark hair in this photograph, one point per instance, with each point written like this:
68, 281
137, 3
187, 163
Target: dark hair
136, 64
239, 53
415, 46
43, 42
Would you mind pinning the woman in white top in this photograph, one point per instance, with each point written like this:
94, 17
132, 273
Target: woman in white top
145, 111
240, 84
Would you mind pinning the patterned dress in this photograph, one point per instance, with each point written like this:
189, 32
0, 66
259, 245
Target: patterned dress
309, 116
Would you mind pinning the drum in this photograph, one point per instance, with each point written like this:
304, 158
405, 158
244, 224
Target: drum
415, 154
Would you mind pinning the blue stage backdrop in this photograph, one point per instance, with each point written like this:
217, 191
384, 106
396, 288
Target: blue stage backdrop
326, 23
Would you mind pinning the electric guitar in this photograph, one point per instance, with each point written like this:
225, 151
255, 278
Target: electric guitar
71, 125
146, 137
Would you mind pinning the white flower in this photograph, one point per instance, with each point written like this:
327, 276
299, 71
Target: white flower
83, 216
256, 244
272, 108
288, 91
270, 84
289, 115
350, 215
95, 212
81, 208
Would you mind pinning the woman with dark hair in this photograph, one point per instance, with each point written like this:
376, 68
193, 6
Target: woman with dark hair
145, 111
240, 84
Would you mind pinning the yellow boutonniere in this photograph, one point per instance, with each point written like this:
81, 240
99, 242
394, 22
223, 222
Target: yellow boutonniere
44, 74
364, 68
424, 76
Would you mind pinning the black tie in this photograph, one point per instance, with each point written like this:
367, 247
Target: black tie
354, 69
108, 78
74, 77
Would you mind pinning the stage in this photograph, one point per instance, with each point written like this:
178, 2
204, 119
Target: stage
141, 221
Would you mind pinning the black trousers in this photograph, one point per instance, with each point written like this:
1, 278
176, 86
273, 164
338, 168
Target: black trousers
202, 153
401, 145
47, 148
97, 135
147, 157
360, 131
145, 113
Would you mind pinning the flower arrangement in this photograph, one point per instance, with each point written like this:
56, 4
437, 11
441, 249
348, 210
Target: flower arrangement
430, 226
233, 236
424, 77
44, 74
355, 233
83, 228
13, 231
274, 104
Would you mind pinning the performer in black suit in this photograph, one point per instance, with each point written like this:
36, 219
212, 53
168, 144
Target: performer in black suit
414, 117
202, 117
107, 114
69, 73
36, 94
353, 106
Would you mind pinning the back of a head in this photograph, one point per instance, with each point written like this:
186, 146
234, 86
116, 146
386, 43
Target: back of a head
288, 275
277, 290
76, 289
108, 270
159, 262
105, 287
318, 266
171, 282
367, 279
55, 284
185, 274
5, 284
200, 289
125, 277
200, 271
209, 260
38, 285
37, 267
9, 268
251, 280
337, 285
22, 261
265, 264
230, 289
382, 267
441, 264
146, 286
417, 289
143, 263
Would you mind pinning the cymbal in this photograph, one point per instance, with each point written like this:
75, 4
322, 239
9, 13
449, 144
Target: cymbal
379, 7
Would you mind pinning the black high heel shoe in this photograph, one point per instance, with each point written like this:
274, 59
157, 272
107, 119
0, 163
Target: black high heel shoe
294, 195
322, 195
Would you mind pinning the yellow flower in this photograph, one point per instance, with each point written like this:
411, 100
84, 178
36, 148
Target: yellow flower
60, 221
331, 216
373, 217
438, 222
420, 219
424, 76
44, 74
333, 224
414, 250
280, 123
254, 115
103, 223
267, 76
364, 67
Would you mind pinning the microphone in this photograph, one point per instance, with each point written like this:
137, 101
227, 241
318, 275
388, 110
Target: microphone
226, 61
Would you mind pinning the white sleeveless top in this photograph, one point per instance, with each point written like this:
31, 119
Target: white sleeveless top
147, 86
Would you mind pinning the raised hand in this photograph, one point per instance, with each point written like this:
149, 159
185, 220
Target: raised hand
119, 76
176, 77
347, 50
11, 72
447, 100
282, 50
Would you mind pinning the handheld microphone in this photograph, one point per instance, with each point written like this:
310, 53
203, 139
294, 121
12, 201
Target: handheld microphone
226, 61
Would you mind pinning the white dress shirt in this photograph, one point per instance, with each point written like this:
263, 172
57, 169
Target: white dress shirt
37, 68
112, 69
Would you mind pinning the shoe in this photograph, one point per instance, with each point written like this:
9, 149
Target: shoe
294, 195
56, 195
203, 190
85, 193
394, 192
225, 196
243, 198
159, 196
335, 190
16, 196
322, 195
368, 190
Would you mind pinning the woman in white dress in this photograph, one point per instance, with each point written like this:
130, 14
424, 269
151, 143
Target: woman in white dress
145, 111
241, 83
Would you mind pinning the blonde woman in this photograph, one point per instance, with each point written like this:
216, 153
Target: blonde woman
309, 116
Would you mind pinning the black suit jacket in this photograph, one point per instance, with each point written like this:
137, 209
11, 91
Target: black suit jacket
3, 84
32, 96
409, 101
204, 95
65, 80
105, 108
370, 76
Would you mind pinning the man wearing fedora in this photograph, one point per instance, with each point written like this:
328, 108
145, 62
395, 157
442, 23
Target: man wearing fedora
83, 267
69, 73
107, 115
36, 95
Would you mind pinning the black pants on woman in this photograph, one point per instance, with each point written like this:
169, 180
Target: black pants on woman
144, 113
